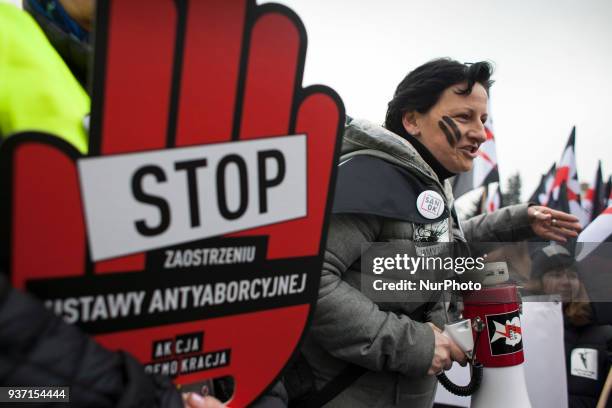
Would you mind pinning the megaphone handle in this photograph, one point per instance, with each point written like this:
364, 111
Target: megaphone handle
477, 369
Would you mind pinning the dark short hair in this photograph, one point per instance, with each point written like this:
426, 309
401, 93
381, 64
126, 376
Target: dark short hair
421, 89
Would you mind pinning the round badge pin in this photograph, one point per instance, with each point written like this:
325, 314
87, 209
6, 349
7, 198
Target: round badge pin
430, 204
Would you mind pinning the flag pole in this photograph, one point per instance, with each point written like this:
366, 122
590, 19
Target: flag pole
605, 392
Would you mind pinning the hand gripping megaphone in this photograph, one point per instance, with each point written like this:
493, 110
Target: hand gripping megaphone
491, 336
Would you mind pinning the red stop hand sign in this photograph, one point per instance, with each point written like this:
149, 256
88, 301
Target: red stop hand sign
191, 234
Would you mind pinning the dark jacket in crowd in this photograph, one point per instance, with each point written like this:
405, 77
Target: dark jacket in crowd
38, 348
588, 350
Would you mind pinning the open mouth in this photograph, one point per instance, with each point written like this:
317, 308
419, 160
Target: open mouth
471, 150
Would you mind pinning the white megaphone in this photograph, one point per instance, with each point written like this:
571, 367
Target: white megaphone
491, 335
500, 347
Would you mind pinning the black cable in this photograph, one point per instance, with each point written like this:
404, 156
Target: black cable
475, 380
465, 390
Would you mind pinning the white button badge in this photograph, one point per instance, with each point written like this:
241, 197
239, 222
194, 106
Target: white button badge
430, 204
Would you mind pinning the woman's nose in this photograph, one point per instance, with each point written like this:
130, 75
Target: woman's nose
478, 133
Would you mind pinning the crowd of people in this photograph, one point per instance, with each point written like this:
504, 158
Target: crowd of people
357, 352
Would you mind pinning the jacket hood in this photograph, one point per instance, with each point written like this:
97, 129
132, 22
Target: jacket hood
364, 137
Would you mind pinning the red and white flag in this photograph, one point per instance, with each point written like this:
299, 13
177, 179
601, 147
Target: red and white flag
493, 199
594, 200
542, 193
484, 170
561, 203
587, 200
599, 230
568, 173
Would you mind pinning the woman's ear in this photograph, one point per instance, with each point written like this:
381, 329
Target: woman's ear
410, 123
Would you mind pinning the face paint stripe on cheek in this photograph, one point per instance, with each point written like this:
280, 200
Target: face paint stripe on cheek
453, 126
447, 133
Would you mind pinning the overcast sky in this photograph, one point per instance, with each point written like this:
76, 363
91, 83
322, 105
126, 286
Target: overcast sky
553, 63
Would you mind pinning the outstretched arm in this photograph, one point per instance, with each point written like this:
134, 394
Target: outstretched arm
520, 222
508, 224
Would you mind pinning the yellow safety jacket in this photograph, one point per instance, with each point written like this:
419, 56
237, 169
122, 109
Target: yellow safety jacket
37, 90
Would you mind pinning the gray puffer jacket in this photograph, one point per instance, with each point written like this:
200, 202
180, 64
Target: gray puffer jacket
391, 340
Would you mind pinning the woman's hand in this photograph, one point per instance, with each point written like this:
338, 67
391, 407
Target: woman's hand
552, 224
193, 400
445, 352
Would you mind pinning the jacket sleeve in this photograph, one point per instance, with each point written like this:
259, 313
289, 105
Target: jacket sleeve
509, 224
349, 325
438, 315
38, 348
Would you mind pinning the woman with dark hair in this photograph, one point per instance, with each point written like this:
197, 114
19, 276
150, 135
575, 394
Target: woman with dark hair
393, 186
416, 114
